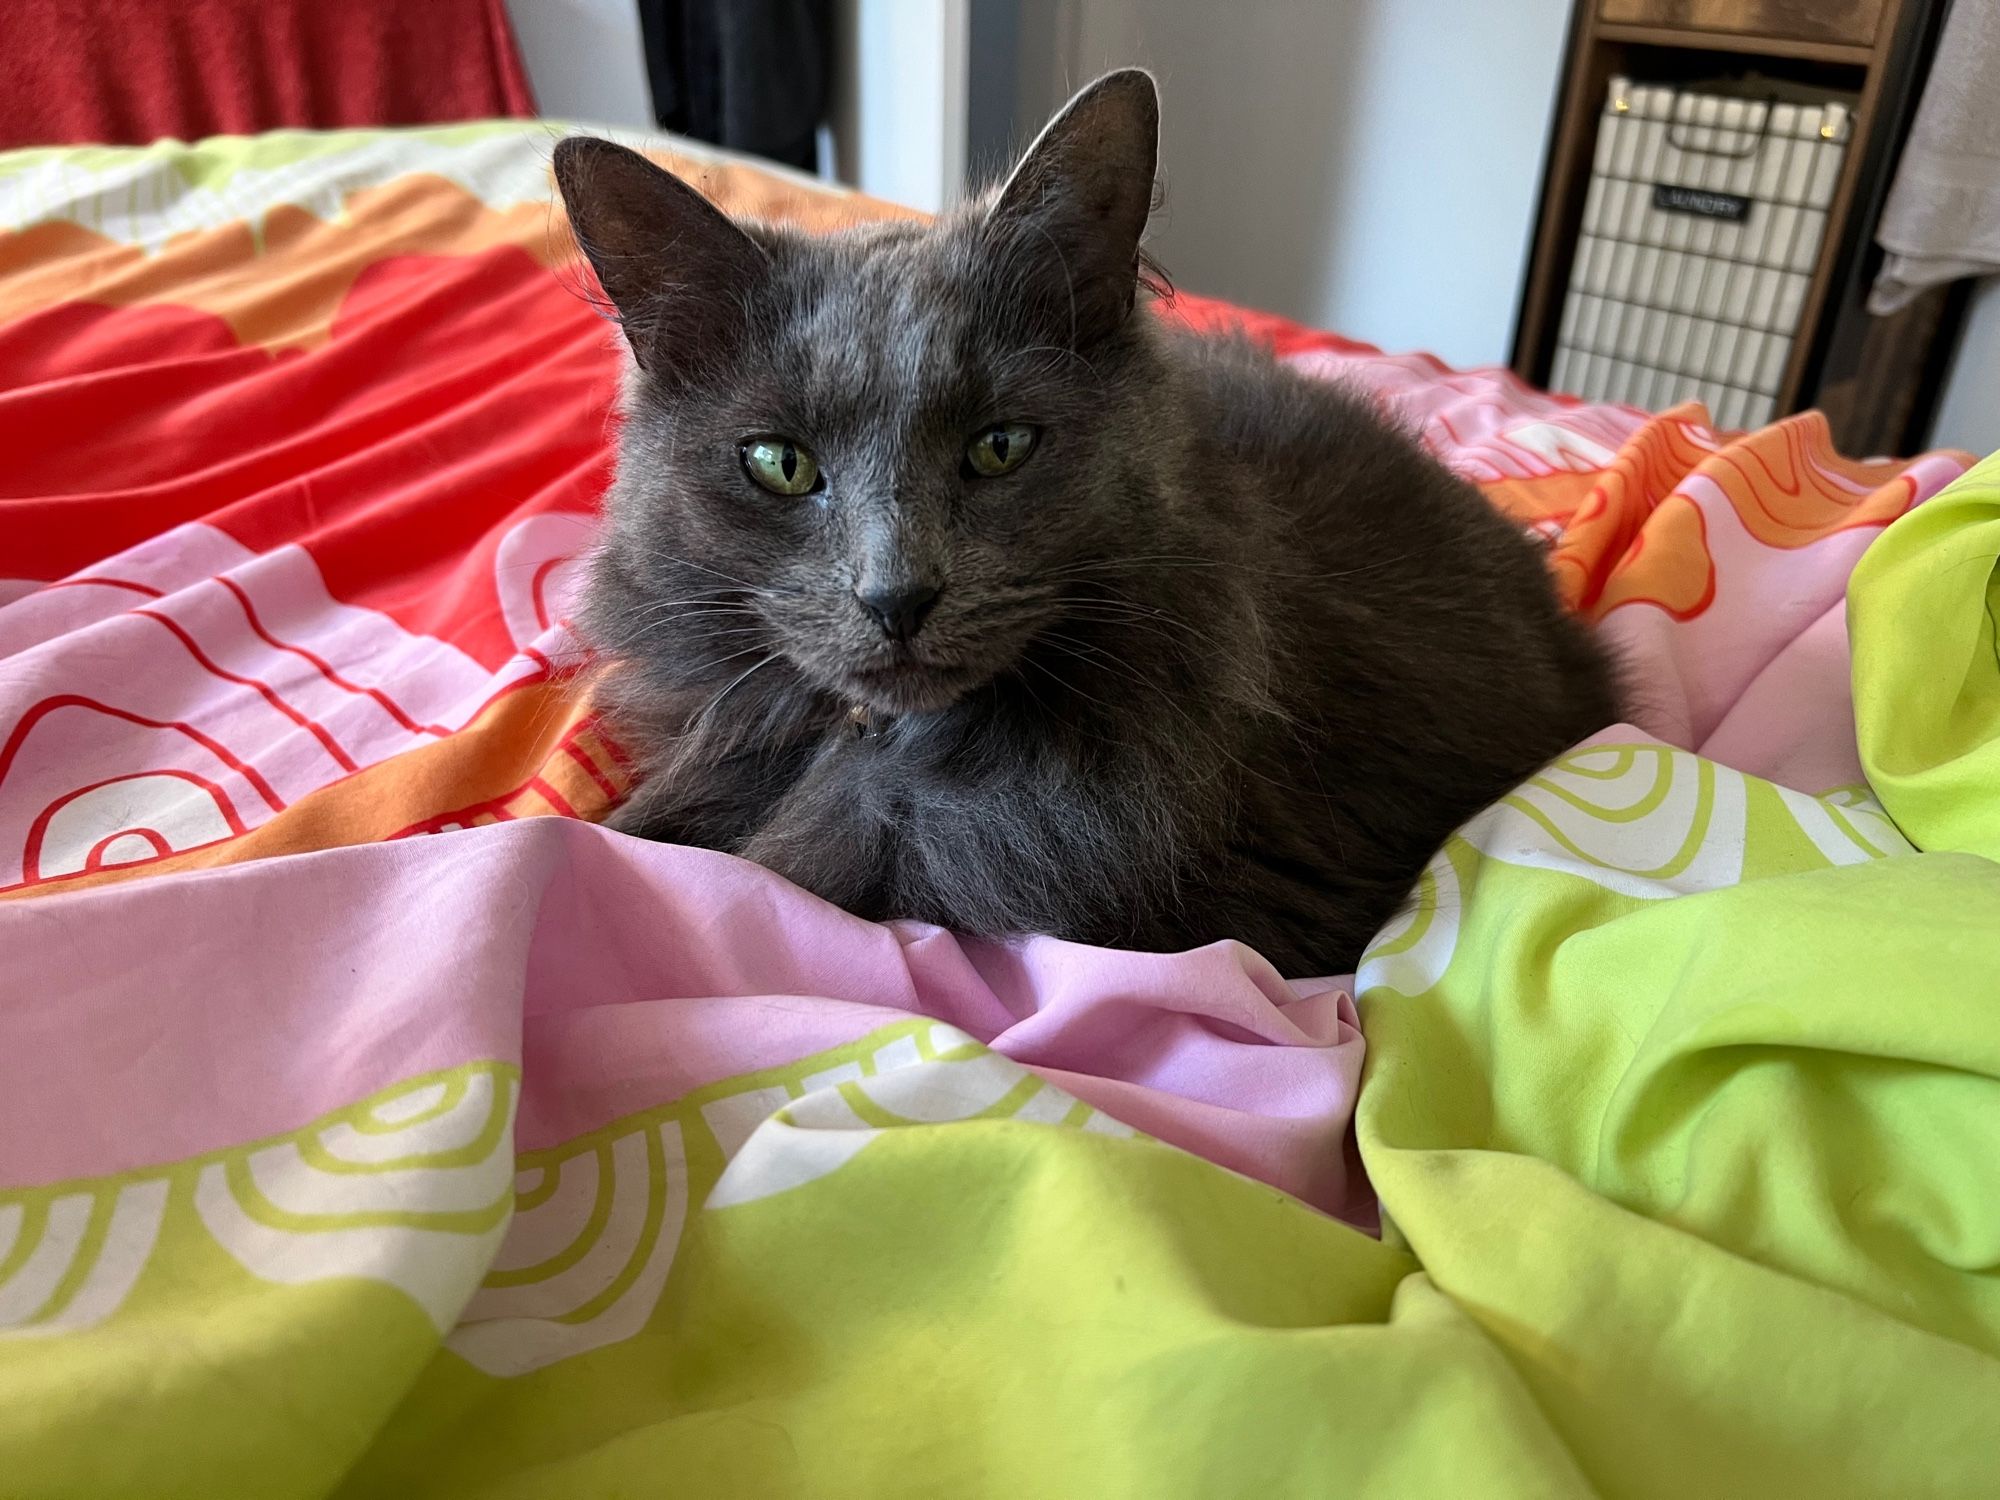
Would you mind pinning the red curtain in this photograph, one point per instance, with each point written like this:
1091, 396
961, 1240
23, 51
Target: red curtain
126, 72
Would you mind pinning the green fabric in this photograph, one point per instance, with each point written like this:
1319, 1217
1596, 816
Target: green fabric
1719, 1177
217, 160
1924, 613
150, 195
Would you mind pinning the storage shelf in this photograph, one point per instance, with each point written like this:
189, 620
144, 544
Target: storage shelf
1730, 41
1876, 378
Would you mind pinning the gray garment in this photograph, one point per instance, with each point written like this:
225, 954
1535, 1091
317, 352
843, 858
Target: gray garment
1942, 221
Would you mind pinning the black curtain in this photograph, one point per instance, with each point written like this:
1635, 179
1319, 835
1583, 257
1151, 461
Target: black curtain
748, 74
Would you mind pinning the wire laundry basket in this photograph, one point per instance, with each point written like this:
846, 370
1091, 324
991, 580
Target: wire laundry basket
1700, 233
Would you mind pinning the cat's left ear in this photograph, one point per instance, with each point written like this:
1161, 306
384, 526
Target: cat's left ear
1080, 198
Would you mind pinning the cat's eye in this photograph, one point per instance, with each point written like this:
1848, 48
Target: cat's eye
1000, 449
781, 466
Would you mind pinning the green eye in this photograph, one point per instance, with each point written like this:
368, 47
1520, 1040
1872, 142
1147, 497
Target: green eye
1000, 449
781, 466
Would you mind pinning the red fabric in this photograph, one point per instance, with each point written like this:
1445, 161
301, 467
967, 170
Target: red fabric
126, 72
449, 383
1206, 315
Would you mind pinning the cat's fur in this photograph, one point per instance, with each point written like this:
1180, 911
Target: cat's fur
1228, 656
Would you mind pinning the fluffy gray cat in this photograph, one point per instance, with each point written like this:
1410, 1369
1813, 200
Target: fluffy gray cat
945, 580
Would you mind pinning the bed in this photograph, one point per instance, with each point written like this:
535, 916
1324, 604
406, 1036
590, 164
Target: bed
371, 1122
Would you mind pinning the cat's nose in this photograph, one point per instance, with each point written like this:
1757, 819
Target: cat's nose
898, 608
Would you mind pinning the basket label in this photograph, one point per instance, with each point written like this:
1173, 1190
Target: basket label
1699, 201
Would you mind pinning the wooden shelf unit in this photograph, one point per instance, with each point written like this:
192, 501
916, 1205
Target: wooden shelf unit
1875, 377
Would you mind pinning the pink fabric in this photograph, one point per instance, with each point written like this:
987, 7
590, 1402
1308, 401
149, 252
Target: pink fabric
180, 1015
1745, 682
1794, 721
1482, 422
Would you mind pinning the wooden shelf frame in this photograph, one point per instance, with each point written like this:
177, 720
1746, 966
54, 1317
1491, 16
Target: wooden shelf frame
1762, 35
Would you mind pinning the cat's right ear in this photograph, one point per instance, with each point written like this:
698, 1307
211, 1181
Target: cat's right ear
1077, 204
674, 266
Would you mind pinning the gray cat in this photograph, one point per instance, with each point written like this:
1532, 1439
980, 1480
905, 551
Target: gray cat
945, 581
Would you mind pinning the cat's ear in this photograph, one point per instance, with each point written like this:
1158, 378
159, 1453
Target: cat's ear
674, 266
1080, 197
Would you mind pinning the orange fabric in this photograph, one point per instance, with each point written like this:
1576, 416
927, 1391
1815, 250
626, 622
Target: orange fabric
1635, 536
278, 283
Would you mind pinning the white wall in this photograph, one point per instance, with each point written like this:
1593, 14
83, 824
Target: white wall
1370, 166
586, 60
899, 108
1969, 414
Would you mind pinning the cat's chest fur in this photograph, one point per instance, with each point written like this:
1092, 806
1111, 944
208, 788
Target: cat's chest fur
1017, 809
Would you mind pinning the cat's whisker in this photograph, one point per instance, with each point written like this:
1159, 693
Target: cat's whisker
1179, 644
1061, 354
691, 607
685, 562
1166, 698
1198, 730
1128, 607
1381, 562
1159, 624
1065, 684
1068, 720
1161, 629
661, 622
1173, 560
760, 643
709, 666
1214, 743
710, 597
1083, 651
1115, 564
707, 715
676, 626
990, 630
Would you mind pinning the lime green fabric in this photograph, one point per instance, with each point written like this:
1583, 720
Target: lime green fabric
1924, 614
1720, 1177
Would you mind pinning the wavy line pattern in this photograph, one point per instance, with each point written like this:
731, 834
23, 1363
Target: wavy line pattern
421, 1207
598, 1221
68, 1262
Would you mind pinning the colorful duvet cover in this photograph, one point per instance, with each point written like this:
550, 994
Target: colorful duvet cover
373, 1123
